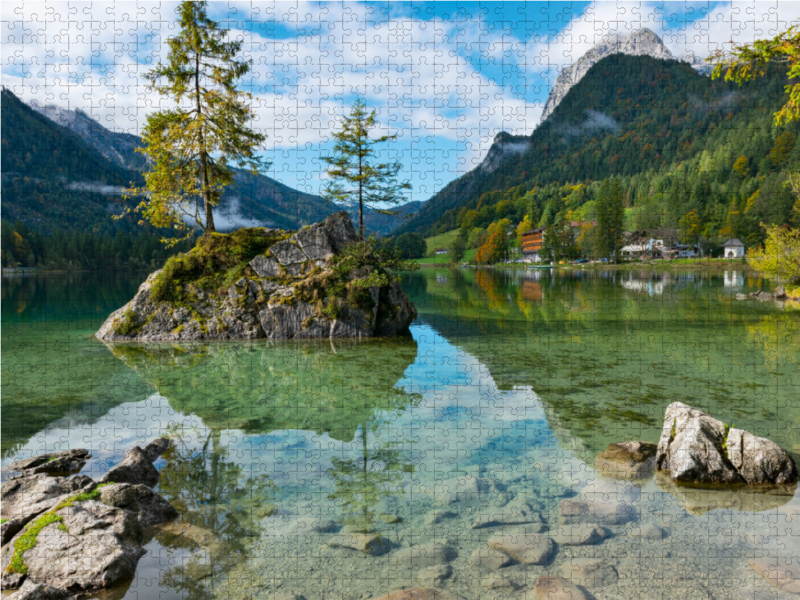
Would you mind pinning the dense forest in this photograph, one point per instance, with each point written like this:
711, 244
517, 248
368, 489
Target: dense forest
23, 246
689, 153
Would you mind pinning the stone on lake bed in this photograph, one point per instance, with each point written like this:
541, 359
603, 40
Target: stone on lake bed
580, 534
434, 575
527, 548
647, 531
424, 555
600, 512
420, 594
496, 582
374, 545
437, 516
627, 460
391, 519
589, 572
516, 512
784, 577
553, 587
488, 558
466, 488
307, 525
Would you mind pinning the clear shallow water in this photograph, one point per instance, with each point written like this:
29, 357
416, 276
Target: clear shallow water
517, 377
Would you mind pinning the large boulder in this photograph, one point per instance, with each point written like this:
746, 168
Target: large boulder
296, 288
697, 448
84, 547
24, 498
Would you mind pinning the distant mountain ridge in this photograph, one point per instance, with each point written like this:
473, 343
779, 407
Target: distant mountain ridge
642, 42
110, 163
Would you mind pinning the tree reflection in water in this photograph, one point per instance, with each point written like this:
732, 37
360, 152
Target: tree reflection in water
360, 483
219, 508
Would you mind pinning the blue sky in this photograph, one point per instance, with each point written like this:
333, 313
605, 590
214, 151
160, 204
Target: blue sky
444, 77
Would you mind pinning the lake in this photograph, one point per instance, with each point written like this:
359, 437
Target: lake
510, 385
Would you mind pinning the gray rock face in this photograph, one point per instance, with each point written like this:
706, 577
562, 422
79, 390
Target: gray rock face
269, 305
94, 547
640, 43
150, 508
25, 498
135, 469
503, 147
697, 448
265, 267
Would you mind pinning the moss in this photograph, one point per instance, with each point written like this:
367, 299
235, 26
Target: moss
308, 322
725, 440
27, 540
178, 329
3, 521
673, 433
213, 265
127, 325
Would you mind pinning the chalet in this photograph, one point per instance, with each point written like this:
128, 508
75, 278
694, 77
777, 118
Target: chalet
734, 248
532, 242
442, 251
654, 243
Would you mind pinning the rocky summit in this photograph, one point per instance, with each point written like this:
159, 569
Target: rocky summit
318, 282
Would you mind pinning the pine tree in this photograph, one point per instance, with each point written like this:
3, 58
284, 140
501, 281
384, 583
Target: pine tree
610, 218
192, 144
355, 176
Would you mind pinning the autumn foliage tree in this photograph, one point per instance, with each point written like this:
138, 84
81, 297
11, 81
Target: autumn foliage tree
494, 250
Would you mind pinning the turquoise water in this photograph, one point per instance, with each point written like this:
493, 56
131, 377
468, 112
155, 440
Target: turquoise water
518, 378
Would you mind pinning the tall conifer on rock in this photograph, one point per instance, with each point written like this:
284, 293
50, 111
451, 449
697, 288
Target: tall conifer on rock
355, 174
192, 144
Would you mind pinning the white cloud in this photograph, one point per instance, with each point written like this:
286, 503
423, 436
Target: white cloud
460, 81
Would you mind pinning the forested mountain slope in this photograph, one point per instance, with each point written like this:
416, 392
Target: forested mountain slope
679, 142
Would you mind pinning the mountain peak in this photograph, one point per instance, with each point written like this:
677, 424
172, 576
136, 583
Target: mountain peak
642, 42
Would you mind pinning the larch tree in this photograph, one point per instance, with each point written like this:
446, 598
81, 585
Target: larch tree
192, 144
355, 174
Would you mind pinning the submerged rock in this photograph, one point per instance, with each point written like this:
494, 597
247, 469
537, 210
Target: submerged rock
589, 572
434, 575
628, 460
785, 577
527, 548
424, 555
489, 558
368, 543
38, 591
420, 594
580, 535
293, 286
553, 587
697, 448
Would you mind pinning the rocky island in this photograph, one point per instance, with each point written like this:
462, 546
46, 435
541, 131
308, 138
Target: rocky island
318, 282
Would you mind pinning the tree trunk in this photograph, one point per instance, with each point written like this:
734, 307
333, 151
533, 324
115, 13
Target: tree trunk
360, 200
209, 228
